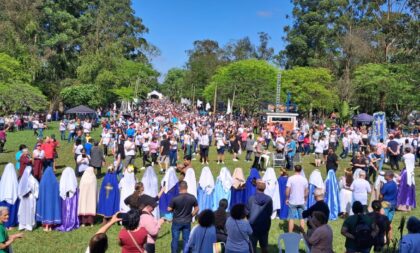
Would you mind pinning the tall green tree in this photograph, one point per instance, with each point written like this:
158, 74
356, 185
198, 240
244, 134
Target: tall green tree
203, 60
246, 83
16, 93
311, 89
174, 85
388, 87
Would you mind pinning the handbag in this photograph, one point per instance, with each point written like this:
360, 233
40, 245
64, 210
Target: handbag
250, 248
134, 241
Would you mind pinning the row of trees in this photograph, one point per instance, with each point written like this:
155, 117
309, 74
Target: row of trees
338, 54
76, 52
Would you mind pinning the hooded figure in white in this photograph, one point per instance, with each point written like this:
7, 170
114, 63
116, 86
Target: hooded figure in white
28, 194
191, 182
9, 194
272, 189
205, 189
315, 182
150, 183
127, 186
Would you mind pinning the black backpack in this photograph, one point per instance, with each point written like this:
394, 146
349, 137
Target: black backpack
363, 233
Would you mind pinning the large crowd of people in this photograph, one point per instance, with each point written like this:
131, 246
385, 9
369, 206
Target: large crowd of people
230, 208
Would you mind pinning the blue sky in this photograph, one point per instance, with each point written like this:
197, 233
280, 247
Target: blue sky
175, 24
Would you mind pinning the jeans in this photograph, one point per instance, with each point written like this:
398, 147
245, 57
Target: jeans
63, 135
306, 149
248, 155
40, 133
176, 230
389, 212
381, 162
289, 161
172, 157
345, 153
71, 137
355, 148
48, 163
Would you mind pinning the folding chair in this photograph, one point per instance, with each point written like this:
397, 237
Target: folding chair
291, 243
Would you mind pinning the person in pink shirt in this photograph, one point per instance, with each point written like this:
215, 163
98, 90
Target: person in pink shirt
154, 146
149, 222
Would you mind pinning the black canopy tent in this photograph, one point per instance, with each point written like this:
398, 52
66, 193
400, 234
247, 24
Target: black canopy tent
82, 111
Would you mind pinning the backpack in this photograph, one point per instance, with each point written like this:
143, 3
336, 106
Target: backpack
363, 233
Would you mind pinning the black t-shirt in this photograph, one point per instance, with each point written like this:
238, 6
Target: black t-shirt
166, 145
319, 206
383, 224
182, 206
331, 162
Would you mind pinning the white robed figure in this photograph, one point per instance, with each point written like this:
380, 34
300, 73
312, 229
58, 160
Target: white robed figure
127, 186
205, 189
150, 183
191, 182
9, 194
315, 182
28, 193
272, 189
222, 188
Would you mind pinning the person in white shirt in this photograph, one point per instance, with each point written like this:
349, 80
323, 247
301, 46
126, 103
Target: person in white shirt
62, 129
87, 126
355, 141
280, 143
319, 149
71, 127
346, 145
105, 140
35, 124
146, 152
130, 151
82, 161
361, 188
296, 197
204, 142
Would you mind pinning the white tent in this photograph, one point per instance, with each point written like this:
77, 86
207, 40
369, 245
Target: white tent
155, 94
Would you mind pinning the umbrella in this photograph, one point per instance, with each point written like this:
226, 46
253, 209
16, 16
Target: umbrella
363, 118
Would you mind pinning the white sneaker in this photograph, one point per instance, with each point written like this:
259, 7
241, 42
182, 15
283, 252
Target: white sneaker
218, 162
202, 163
235, 160
223, 162
207, 163
142, 168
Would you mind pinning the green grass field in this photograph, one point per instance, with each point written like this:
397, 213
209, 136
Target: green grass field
77, 241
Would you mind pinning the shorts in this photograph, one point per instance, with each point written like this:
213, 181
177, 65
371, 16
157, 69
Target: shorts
295, 212
325, 152
221, 150
318, 156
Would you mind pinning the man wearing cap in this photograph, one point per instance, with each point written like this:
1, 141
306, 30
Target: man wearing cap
184, 207
260, 207
147, 204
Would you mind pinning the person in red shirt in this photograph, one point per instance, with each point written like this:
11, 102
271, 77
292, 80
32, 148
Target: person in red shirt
48, 147
56, 145
132, 237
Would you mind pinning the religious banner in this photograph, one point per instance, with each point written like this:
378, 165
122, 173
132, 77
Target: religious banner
379, 125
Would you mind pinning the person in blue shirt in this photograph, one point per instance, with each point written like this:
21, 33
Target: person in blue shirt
18, 155
291, 151
131, 131
410, 242
88, 146
389, 193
